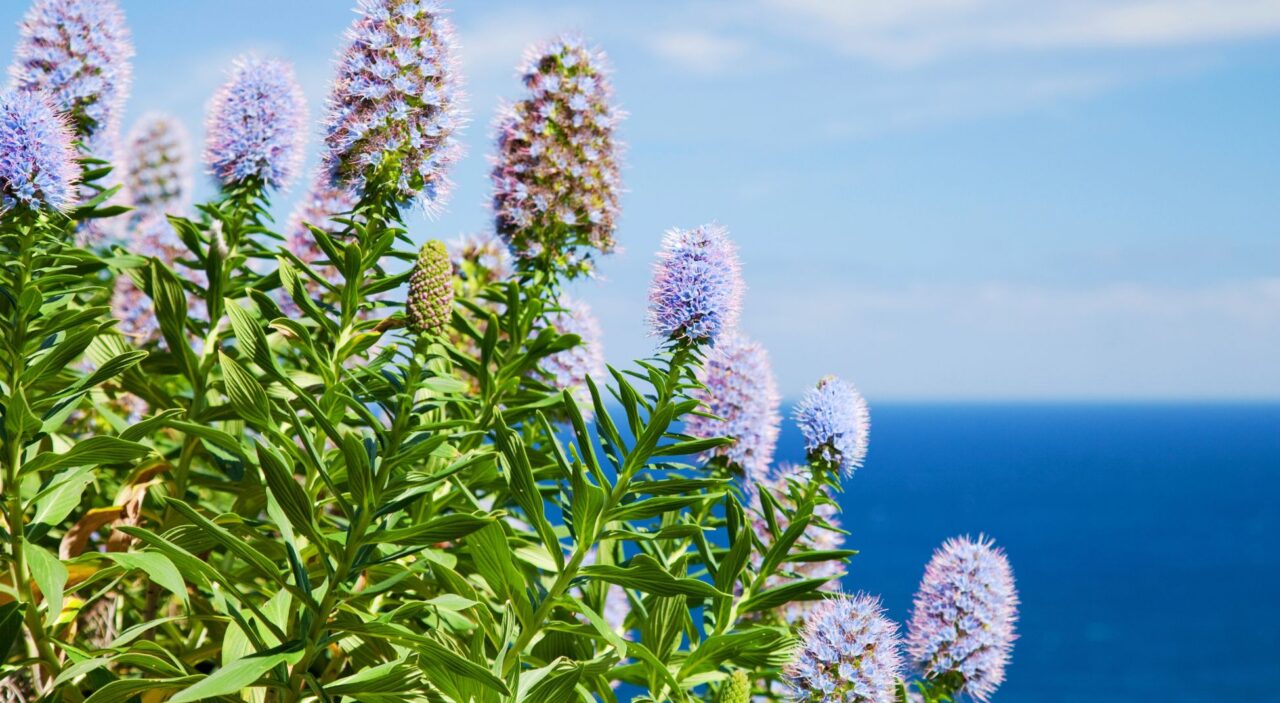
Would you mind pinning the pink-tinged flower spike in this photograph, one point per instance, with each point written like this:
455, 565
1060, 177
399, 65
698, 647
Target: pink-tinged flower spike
256, 124
157, 166
848, 653
739, 389
697, 286
570, 368
396, 103
555, 177
836, 424
964, 614
37, 157
78, 51
481, 258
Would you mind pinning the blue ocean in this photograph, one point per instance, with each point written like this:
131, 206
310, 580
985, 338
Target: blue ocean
1143, 538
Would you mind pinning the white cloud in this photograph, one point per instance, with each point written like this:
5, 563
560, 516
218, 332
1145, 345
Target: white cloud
701, 52
907, 32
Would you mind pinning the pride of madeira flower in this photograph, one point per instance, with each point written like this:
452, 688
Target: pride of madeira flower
256, 125
836, 424
964, 614
37, 156
739, 390
555, 176
697, 286
848, 653
396, 103
157, 166
78, 52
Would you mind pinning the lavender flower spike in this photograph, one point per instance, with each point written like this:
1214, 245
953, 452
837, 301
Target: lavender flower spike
396, 102
697, 286
555, 177
37, 158
964, 614
739, 389
836, 424
157, 166
77, 51
848, 653
570, 368
256, 124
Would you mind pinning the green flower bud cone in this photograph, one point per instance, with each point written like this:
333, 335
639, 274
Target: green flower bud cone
430, 290
737, 689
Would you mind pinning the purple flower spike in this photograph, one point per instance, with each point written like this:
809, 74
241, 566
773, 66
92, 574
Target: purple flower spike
739, 389
848, 653
836, 424
964, 614
555, 177
78, 52
697, 286
157, 166
396, 103
37, 158
570, 368
256, 124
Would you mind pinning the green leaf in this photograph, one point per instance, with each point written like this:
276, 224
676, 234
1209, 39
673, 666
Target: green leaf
756, 647
50, 575
432, 650
158, 568
98, 450
19, 421
647, 575
10, 626
232, 678
781, 595
61, 497
388, 678
236, 545
653, 507
524, 488
289, 495
247, 395
437, 529
128, 689
250, 337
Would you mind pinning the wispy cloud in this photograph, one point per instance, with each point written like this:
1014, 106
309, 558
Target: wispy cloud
699, 51
910, 32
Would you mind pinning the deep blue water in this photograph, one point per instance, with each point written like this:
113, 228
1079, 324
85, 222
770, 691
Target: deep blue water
1143, 538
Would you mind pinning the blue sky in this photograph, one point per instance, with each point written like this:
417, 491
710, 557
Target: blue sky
938, 199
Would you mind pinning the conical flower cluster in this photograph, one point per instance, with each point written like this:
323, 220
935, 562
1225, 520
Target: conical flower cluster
737, 689
964, 614
836, 424
570, 368
739, 389
848, 654
37, 156
157, 166
555, 177
396, 102
78, 52
256, 124
430, 301
697, 286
